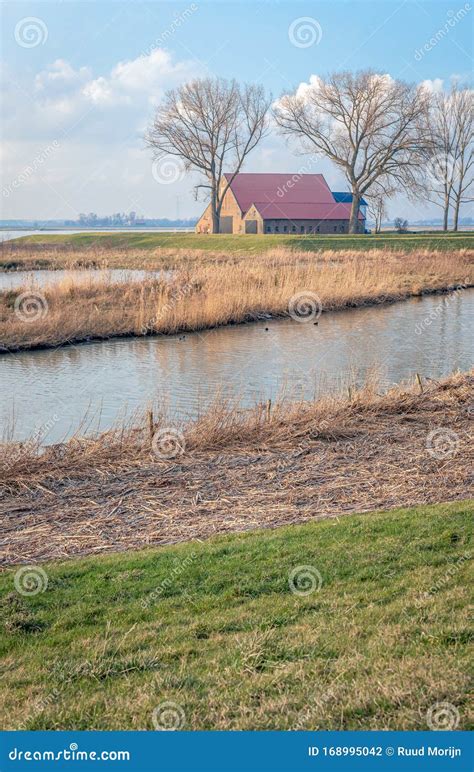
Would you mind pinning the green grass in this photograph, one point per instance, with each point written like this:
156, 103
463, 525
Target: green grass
252, 243
384, 638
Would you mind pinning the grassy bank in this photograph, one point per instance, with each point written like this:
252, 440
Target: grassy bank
239, 244
224, 290
234, 470
380, 636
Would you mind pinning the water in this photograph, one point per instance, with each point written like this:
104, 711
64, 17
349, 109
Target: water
8, 235
14, 279
50, 391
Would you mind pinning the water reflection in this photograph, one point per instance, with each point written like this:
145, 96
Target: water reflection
41, 278
110, 381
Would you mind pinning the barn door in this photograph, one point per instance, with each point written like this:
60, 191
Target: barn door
226, 225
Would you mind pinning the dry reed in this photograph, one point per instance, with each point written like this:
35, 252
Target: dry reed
221, 290
239, 471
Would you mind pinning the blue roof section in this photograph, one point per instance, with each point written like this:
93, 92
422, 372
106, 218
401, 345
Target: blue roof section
346, 198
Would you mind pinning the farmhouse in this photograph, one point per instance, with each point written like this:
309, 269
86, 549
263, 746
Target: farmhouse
282, 203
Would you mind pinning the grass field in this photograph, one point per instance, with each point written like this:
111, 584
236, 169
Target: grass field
250, 243
221, 630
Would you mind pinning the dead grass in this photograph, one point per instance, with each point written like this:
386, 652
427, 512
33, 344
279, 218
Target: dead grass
30, 257
221, 289
239, 471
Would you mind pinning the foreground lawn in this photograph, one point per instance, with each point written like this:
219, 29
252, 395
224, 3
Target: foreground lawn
251, 243
215, 628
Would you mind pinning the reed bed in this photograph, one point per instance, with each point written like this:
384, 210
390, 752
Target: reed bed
238, 470
31, 257
220, 290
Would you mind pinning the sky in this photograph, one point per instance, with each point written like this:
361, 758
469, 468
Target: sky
81, 82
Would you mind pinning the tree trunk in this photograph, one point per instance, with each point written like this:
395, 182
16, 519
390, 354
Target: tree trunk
445, 215
378, 221
214, 211
456, 214
354, 219
215, 221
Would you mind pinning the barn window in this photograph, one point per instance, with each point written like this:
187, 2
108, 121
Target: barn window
277, 229
268, 229
301, 228
335, 228
293, 228
317, 229
285, 229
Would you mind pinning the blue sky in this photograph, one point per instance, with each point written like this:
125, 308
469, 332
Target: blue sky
77, 97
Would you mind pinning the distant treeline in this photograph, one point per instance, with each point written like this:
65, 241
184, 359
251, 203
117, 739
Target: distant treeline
130, 219
93, 221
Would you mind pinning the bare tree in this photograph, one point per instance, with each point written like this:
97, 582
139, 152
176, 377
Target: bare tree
368, 124
463, 106
212, 125
450, 157
378, 206
440, 168
401, 225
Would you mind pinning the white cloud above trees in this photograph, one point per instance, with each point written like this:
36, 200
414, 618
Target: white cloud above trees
94, 122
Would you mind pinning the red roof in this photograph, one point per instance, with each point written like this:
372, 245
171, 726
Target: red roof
279, 210
288, 196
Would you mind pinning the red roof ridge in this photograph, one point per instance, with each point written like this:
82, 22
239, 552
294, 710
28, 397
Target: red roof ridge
275, 174
281, 189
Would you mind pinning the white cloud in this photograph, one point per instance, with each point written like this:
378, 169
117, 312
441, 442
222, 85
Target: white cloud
435, 86
97, 121
94, 121
61, 98
60, 75
305, 88
146, 75
100, 92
